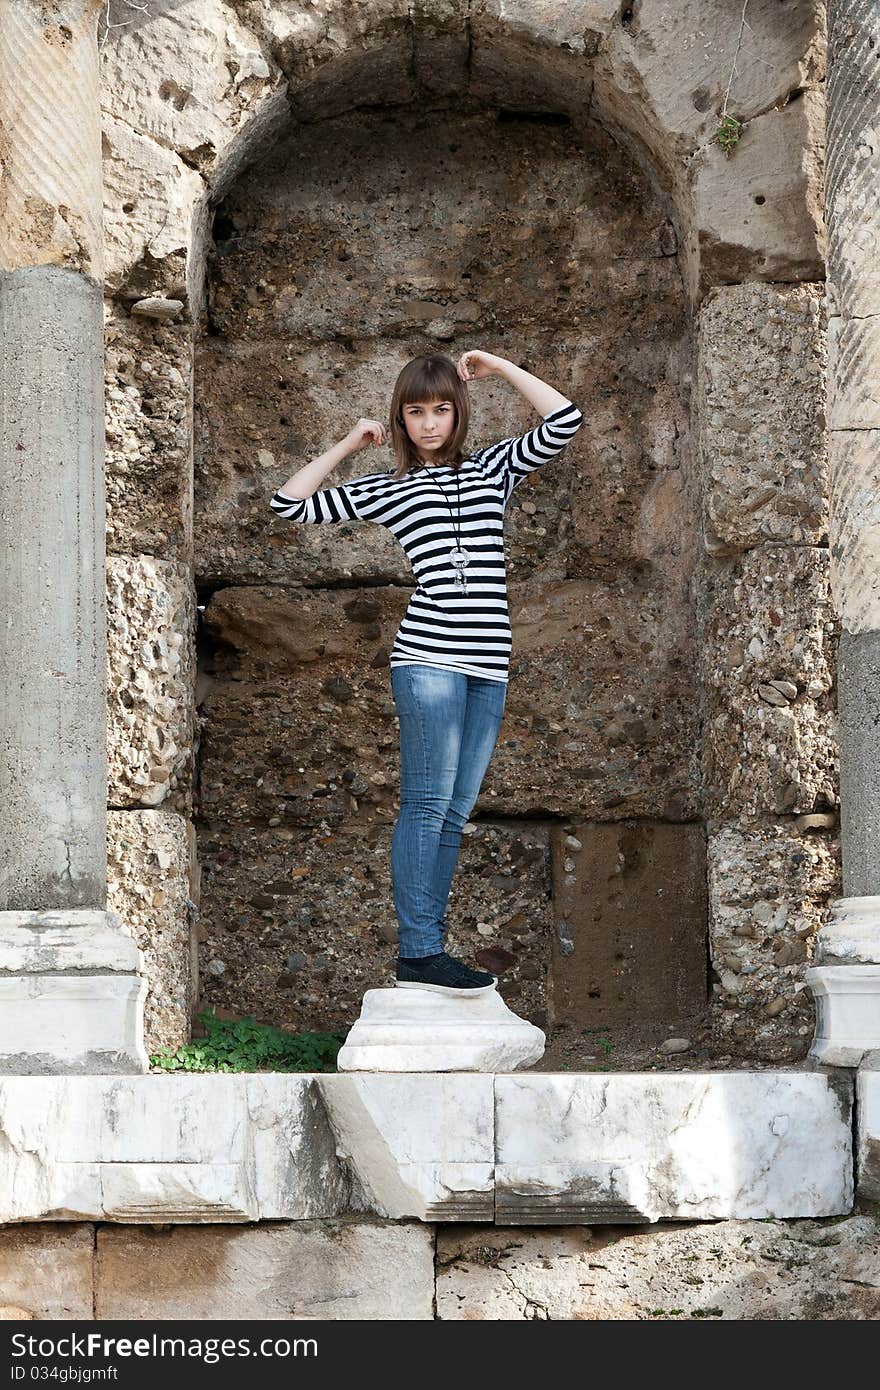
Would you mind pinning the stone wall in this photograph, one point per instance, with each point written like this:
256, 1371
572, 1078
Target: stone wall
768, 659
767, 1270
578, 212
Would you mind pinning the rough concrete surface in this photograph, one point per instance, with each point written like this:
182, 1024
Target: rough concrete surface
741, 1270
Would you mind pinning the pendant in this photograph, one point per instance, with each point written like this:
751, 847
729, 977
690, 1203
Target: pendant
458, 557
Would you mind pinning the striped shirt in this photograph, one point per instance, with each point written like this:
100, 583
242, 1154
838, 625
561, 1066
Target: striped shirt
443, 626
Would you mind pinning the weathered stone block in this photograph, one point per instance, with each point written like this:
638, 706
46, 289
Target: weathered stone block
736, 1270
579, 26
417, 1030
325, 1271
190, 80
72, 992
601, 711
629, 903
151, 623
632, 493
261, 414
586, 1148
419, 1145
768, 664
148, 390
758, 212
152, 882
847, 1013
304, 673
762, 422
150, 197
769, 890
437, 1147
849, 934
239, 1147
46, 1270
674, 61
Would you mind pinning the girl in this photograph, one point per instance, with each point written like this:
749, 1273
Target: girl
450, 657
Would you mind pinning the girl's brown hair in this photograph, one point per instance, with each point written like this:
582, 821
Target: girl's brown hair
432, 377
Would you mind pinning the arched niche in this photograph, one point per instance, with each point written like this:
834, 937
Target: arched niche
196, 93
375, 227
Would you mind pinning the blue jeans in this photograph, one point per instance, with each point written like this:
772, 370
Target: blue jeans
449, 724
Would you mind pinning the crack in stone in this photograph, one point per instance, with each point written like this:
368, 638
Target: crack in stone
528, 1301
159, 142
779, 104
843, 319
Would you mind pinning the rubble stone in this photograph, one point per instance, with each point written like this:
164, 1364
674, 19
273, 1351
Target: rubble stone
769, 891
762, 380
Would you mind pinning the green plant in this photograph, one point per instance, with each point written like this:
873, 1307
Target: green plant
605, 1044
728, 133
730, 129
250, 1046
707, 1313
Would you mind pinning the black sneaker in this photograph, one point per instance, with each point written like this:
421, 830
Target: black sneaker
444, 975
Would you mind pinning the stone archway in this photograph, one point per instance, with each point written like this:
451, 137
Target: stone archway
193, 93
623, 76
364, 238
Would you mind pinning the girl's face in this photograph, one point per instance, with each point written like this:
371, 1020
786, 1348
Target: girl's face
429, 424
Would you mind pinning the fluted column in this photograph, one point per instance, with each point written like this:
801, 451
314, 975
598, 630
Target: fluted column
846, 980
70, 991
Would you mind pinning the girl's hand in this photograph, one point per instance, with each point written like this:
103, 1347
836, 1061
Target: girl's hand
475, 364
365, 431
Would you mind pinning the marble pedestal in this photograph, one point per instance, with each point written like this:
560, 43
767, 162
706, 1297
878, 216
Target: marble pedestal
846, 983
71, 994
847, 1013
418, 1030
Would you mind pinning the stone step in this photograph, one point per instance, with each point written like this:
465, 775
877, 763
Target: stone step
460, 1146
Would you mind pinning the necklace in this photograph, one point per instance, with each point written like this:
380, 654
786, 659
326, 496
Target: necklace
458, 556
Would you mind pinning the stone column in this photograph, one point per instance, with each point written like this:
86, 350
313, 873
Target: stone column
846, 979
71, 992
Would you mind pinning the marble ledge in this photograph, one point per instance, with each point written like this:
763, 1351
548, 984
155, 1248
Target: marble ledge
512, 1148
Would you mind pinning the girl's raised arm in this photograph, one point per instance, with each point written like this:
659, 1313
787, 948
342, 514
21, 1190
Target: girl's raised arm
476, 364
301, 498
309, 479
511, 460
